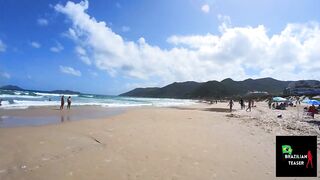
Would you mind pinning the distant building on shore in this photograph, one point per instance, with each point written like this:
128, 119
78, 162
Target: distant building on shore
303, 87
256, 94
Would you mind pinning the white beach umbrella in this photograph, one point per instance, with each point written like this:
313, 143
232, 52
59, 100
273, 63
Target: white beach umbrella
279, 99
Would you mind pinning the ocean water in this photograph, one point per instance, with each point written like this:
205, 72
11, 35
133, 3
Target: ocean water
12, 99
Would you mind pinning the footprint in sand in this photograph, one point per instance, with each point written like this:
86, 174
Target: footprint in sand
35, 167
267, 173
45, 159
110, 130
205, 151
3, 171
166, 159
107, 160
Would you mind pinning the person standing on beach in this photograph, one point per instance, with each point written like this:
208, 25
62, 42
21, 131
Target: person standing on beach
230, 105
0, 102
69, 102
249, 106
62, 102
269, 103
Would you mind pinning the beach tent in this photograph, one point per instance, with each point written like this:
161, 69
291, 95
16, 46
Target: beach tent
306, 100
279, 99
313, 102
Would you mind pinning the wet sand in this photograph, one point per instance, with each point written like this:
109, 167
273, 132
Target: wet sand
149, 143
37, 116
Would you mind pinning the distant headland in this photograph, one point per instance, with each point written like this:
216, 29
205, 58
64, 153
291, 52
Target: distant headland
228, 88
17, 88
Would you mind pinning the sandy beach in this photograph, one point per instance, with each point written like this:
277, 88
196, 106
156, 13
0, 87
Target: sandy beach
143, 90
191, 142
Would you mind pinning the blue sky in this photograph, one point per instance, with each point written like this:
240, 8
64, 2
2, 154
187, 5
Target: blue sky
153, 43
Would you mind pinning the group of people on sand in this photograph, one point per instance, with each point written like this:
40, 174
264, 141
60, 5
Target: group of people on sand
312, 110
68, 101
281, 106
242, 104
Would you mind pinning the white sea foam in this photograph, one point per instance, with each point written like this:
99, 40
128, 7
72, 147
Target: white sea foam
21, 101
18, 96
53, 94
88, 96
20, 104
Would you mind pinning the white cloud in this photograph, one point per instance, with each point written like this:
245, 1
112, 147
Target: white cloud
42, 22
205, 8
92, 73
35, 44
82, 54
5, 75
225, 22
238, 52
125, 28
70, 70
3, 47
57, 48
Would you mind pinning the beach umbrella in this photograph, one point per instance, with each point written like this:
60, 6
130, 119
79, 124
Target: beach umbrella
314, 102
316, 97
279, 99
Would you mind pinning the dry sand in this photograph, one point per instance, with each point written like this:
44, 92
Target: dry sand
152, 143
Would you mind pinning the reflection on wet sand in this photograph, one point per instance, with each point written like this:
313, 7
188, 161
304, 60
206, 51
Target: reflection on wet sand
47, 115
63, 118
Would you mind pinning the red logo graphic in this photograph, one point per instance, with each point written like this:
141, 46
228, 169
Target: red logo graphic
309, 159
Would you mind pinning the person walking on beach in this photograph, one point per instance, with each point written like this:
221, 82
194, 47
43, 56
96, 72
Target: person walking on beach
0, 102
69, 102
249, 106
230, 105
241, 103
62, 102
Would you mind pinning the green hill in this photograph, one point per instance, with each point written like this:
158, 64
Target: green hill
211, 89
